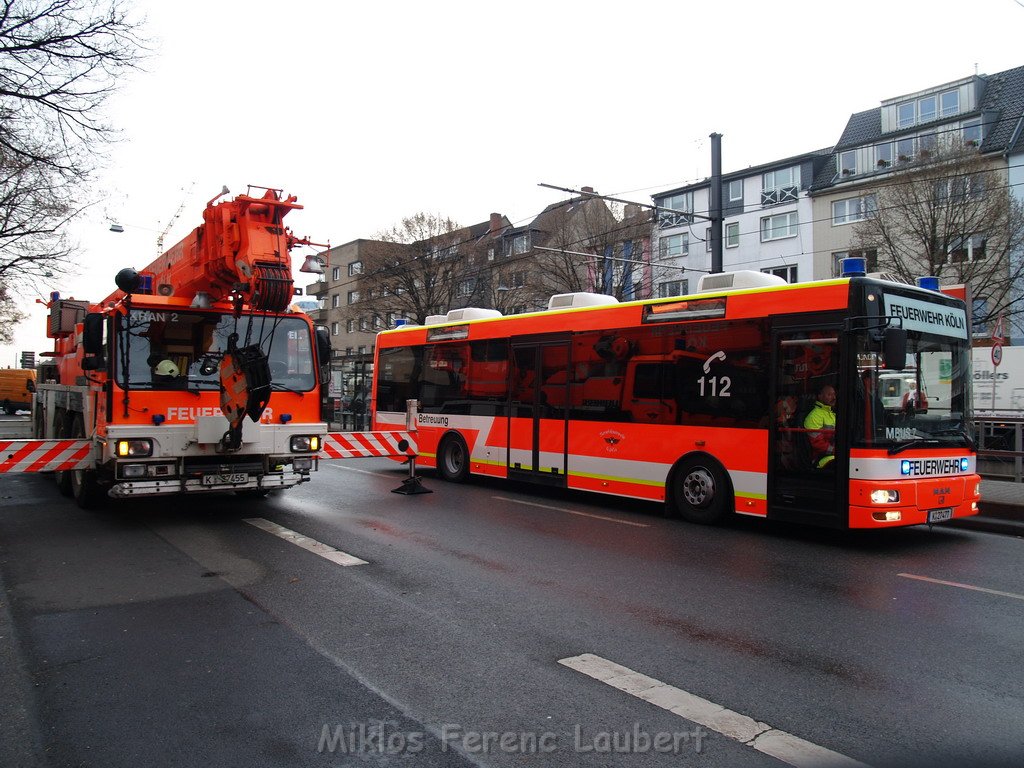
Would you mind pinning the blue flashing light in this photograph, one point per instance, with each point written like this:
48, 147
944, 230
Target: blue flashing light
54, 295
399, 322
853, 266
928, 282
905, 467
145, 284
158, 419
965, 464
285, 418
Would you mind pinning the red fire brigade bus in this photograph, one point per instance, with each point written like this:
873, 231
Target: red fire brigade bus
700, 401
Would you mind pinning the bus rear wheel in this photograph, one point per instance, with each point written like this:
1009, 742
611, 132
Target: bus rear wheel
700, 490
453, 459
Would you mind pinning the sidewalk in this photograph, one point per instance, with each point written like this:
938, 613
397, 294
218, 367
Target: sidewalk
1001, 509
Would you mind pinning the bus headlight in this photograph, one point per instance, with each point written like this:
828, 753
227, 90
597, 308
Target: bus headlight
303, 443
885, 496
134, 448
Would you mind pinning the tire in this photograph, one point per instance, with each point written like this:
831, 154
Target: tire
701, 492
9, 409
84, 486
63, 479
453, 459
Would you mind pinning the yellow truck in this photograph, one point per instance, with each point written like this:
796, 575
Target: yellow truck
16, 388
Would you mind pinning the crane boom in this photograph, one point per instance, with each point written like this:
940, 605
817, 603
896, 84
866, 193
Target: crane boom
241, 249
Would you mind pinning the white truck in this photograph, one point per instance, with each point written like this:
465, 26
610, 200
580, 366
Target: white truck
998, 390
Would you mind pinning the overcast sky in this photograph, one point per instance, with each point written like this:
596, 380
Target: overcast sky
370, 112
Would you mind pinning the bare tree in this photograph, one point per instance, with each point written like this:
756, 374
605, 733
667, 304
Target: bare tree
951, 215
60, 60
416, 269
10, 316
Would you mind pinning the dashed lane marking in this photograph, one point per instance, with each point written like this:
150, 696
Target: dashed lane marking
310, 545
572, 512
761, 736
961, 586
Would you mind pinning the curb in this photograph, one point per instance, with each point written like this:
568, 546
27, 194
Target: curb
995, 517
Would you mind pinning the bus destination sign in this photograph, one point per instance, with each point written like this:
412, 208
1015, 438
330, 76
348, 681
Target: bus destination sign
927, 317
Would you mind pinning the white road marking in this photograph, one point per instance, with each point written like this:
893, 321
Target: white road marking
761, 736
310, 545
573, 512
353, 469
962, 586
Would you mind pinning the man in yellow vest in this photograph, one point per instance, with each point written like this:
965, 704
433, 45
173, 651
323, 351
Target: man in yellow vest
822, 420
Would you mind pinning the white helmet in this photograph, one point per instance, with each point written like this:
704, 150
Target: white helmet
166, 368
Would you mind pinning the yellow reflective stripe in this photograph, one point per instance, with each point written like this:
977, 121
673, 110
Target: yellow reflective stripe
614, 479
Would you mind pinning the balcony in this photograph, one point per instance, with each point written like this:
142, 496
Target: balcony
319, 288
780, 195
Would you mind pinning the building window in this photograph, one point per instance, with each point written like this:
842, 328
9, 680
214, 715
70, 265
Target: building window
680, 211
883, 155
927, 109
350, 325
979, 313
707, 239
870, 258
335, 329
377, 322
364, 324
786, 273
336, 273
853, 209
971, 130
950, 103
848, 163
465, 287
905, 149
490, 254
671, 246
967, 249
335, 301
391, 319
518, 279
362, 350
355, 268
779, 226
781, 186
673, 288
732, 235
736, 191
521, 243
906, 114
350, 351
353, 297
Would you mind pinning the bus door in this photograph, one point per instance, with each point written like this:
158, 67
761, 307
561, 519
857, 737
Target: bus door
803, 483
538, 396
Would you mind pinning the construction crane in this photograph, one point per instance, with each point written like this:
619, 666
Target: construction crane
174, 218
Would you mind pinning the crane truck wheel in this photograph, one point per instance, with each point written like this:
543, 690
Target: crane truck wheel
453, 459
700, 490
84, 487
60, 432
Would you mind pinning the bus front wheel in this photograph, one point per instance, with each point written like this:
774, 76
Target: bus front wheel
453, 459
700, 490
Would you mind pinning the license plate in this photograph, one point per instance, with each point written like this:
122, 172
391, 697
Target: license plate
939, 515
230, 479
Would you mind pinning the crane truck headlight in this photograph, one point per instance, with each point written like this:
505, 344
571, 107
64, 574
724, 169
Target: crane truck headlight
303, 443
134, 448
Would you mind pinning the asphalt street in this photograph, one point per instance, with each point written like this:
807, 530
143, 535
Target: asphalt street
479, 625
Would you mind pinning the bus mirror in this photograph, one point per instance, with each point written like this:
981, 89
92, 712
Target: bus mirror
894, 349
92, 334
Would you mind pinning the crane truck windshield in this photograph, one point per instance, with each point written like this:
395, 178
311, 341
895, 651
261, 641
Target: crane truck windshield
182, 349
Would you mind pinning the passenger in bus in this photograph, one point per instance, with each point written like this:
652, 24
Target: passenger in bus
914, 400
822, 422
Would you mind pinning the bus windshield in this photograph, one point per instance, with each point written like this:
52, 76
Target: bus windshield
165, 349
925, 404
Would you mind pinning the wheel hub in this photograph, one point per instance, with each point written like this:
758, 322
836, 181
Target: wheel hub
699, 488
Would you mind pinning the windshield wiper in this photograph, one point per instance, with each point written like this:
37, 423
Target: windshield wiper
276, 387
911, 444
959, 432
